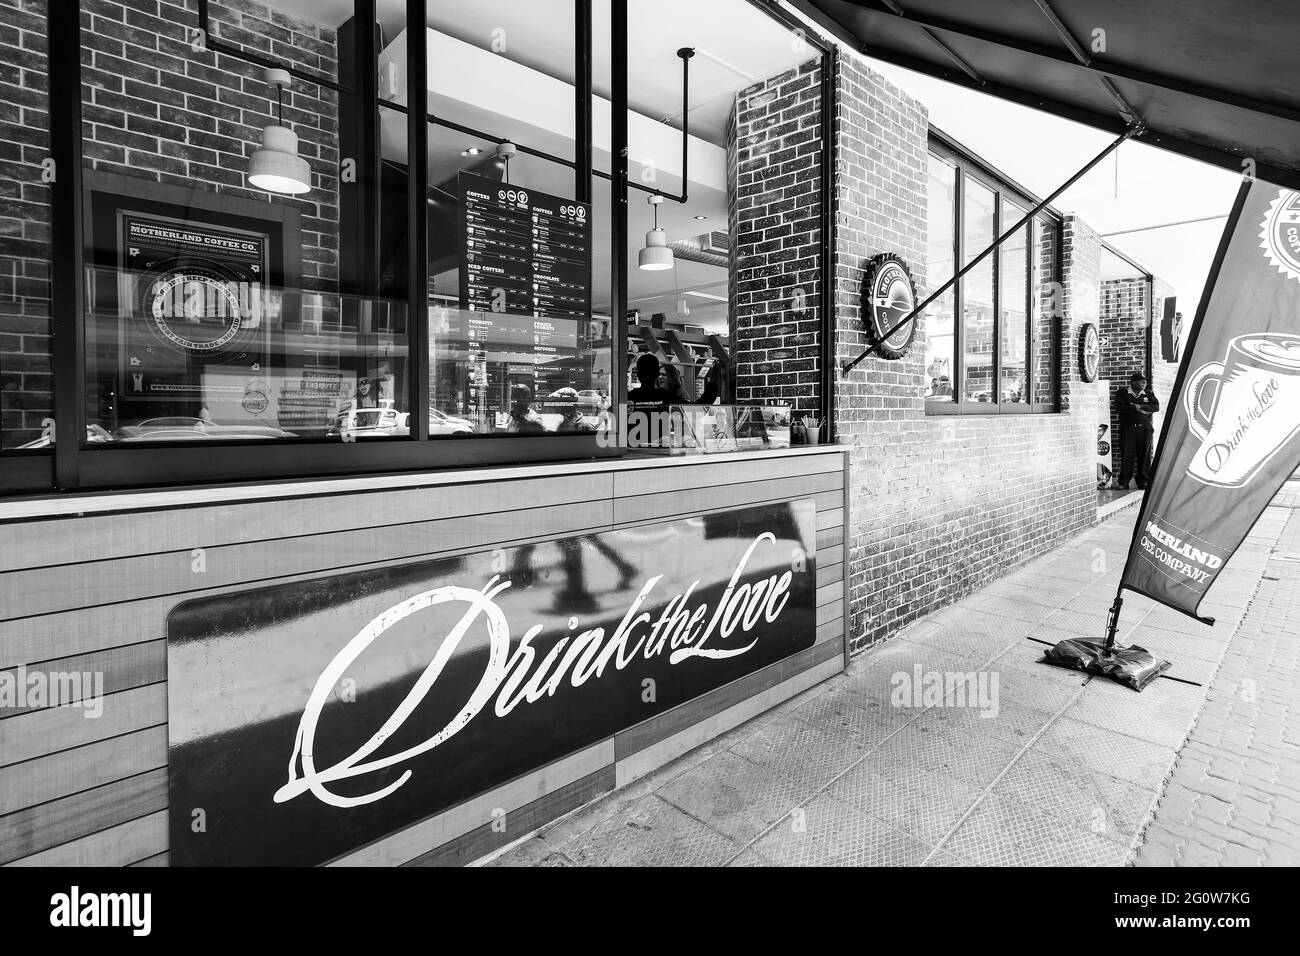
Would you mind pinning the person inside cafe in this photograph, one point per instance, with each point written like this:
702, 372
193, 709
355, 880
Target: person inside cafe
648, 390
1136, 405
670, 380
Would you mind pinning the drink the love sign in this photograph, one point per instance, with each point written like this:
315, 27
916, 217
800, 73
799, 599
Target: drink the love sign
308, 719
1233, 433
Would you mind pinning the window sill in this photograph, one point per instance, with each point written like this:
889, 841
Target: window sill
985, 410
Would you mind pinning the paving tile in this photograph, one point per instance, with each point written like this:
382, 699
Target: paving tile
1010, 720
1116, 755
749, 858
1069, 792
734, 796
944, 750
811, 755
977, 637
1017, 607
1162, 713
923, 804
1001, 832
650, 832
941, 858
866, 719
828, 832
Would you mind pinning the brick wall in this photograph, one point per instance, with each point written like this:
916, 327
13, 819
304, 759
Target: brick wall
940, 505
774, 155
157, 110
26, 397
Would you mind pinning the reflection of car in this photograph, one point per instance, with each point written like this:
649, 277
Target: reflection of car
94, 434
440, 423
369, 423
388, 422
151, 428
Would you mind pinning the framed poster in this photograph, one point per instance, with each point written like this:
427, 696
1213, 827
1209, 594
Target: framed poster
187, 293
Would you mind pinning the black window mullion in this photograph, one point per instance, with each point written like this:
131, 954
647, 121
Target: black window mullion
958, 291
996, 364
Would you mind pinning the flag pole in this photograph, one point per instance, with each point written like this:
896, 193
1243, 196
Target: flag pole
1133, 130
1175, 395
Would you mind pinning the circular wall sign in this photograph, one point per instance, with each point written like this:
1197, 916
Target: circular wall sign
1089, 352
889, 294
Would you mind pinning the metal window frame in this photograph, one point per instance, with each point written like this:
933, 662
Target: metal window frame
968, 164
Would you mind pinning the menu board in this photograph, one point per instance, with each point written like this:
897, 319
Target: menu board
524, 253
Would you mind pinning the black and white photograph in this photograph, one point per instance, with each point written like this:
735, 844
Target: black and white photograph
748, 435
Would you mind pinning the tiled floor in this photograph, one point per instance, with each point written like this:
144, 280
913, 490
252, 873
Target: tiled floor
1019, 764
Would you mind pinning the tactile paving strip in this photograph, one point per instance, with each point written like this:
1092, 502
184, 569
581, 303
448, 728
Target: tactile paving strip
1074, 794
809, 754
923, 804
1002, 832
1115, 755
827, 832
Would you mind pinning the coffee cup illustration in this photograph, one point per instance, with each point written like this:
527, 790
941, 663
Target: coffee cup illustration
1245, 409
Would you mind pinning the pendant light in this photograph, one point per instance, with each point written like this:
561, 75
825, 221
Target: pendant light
656, 256
276, 166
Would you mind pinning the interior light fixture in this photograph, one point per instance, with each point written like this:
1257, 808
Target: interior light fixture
656, 256
470, 151
275, 165
701, 218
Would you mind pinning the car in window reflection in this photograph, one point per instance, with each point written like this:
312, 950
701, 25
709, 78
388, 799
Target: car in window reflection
94, 435
390, 423
184, 428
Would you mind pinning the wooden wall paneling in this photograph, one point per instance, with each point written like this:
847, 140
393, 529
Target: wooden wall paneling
87, 585
121, 668
98, 537
121, 845
486, 838
26, 784
418, 839
651, 481
669, 504
60, 821
40, 732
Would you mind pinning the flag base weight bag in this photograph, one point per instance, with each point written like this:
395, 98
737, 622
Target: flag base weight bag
1133, 667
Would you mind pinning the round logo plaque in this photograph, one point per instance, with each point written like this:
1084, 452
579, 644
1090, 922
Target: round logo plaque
888, 295
1089, 352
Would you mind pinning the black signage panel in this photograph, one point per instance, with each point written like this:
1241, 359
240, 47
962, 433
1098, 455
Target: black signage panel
523, 252
308, 719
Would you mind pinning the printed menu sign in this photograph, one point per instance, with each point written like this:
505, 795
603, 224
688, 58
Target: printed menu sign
523, 252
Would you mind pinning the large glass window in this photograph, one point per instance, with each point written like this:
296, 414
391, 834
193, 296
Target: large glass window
941, 246
26, 381
224, 245
724, 241
1002, 355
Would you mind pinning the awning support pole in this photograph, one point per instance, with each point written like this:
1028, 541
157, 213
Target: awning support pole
1134, 130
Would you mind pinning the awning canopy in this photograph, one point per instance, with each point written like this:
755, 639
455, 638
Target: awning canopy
1211, 79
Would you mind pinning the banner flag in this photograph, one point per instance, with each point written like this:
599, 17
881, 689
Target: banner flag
1232, 430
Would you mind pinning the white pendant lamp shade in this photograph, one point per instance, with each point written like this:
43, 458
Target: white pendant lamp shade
656, 256
276, 165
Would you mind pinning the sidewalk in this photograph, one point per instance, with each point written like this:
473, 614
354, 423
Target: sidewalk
1063, 770
1234, 796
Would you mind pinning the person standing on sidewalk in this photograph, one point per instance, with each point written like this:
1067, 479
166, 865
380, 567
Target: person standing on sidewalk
1136, 406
